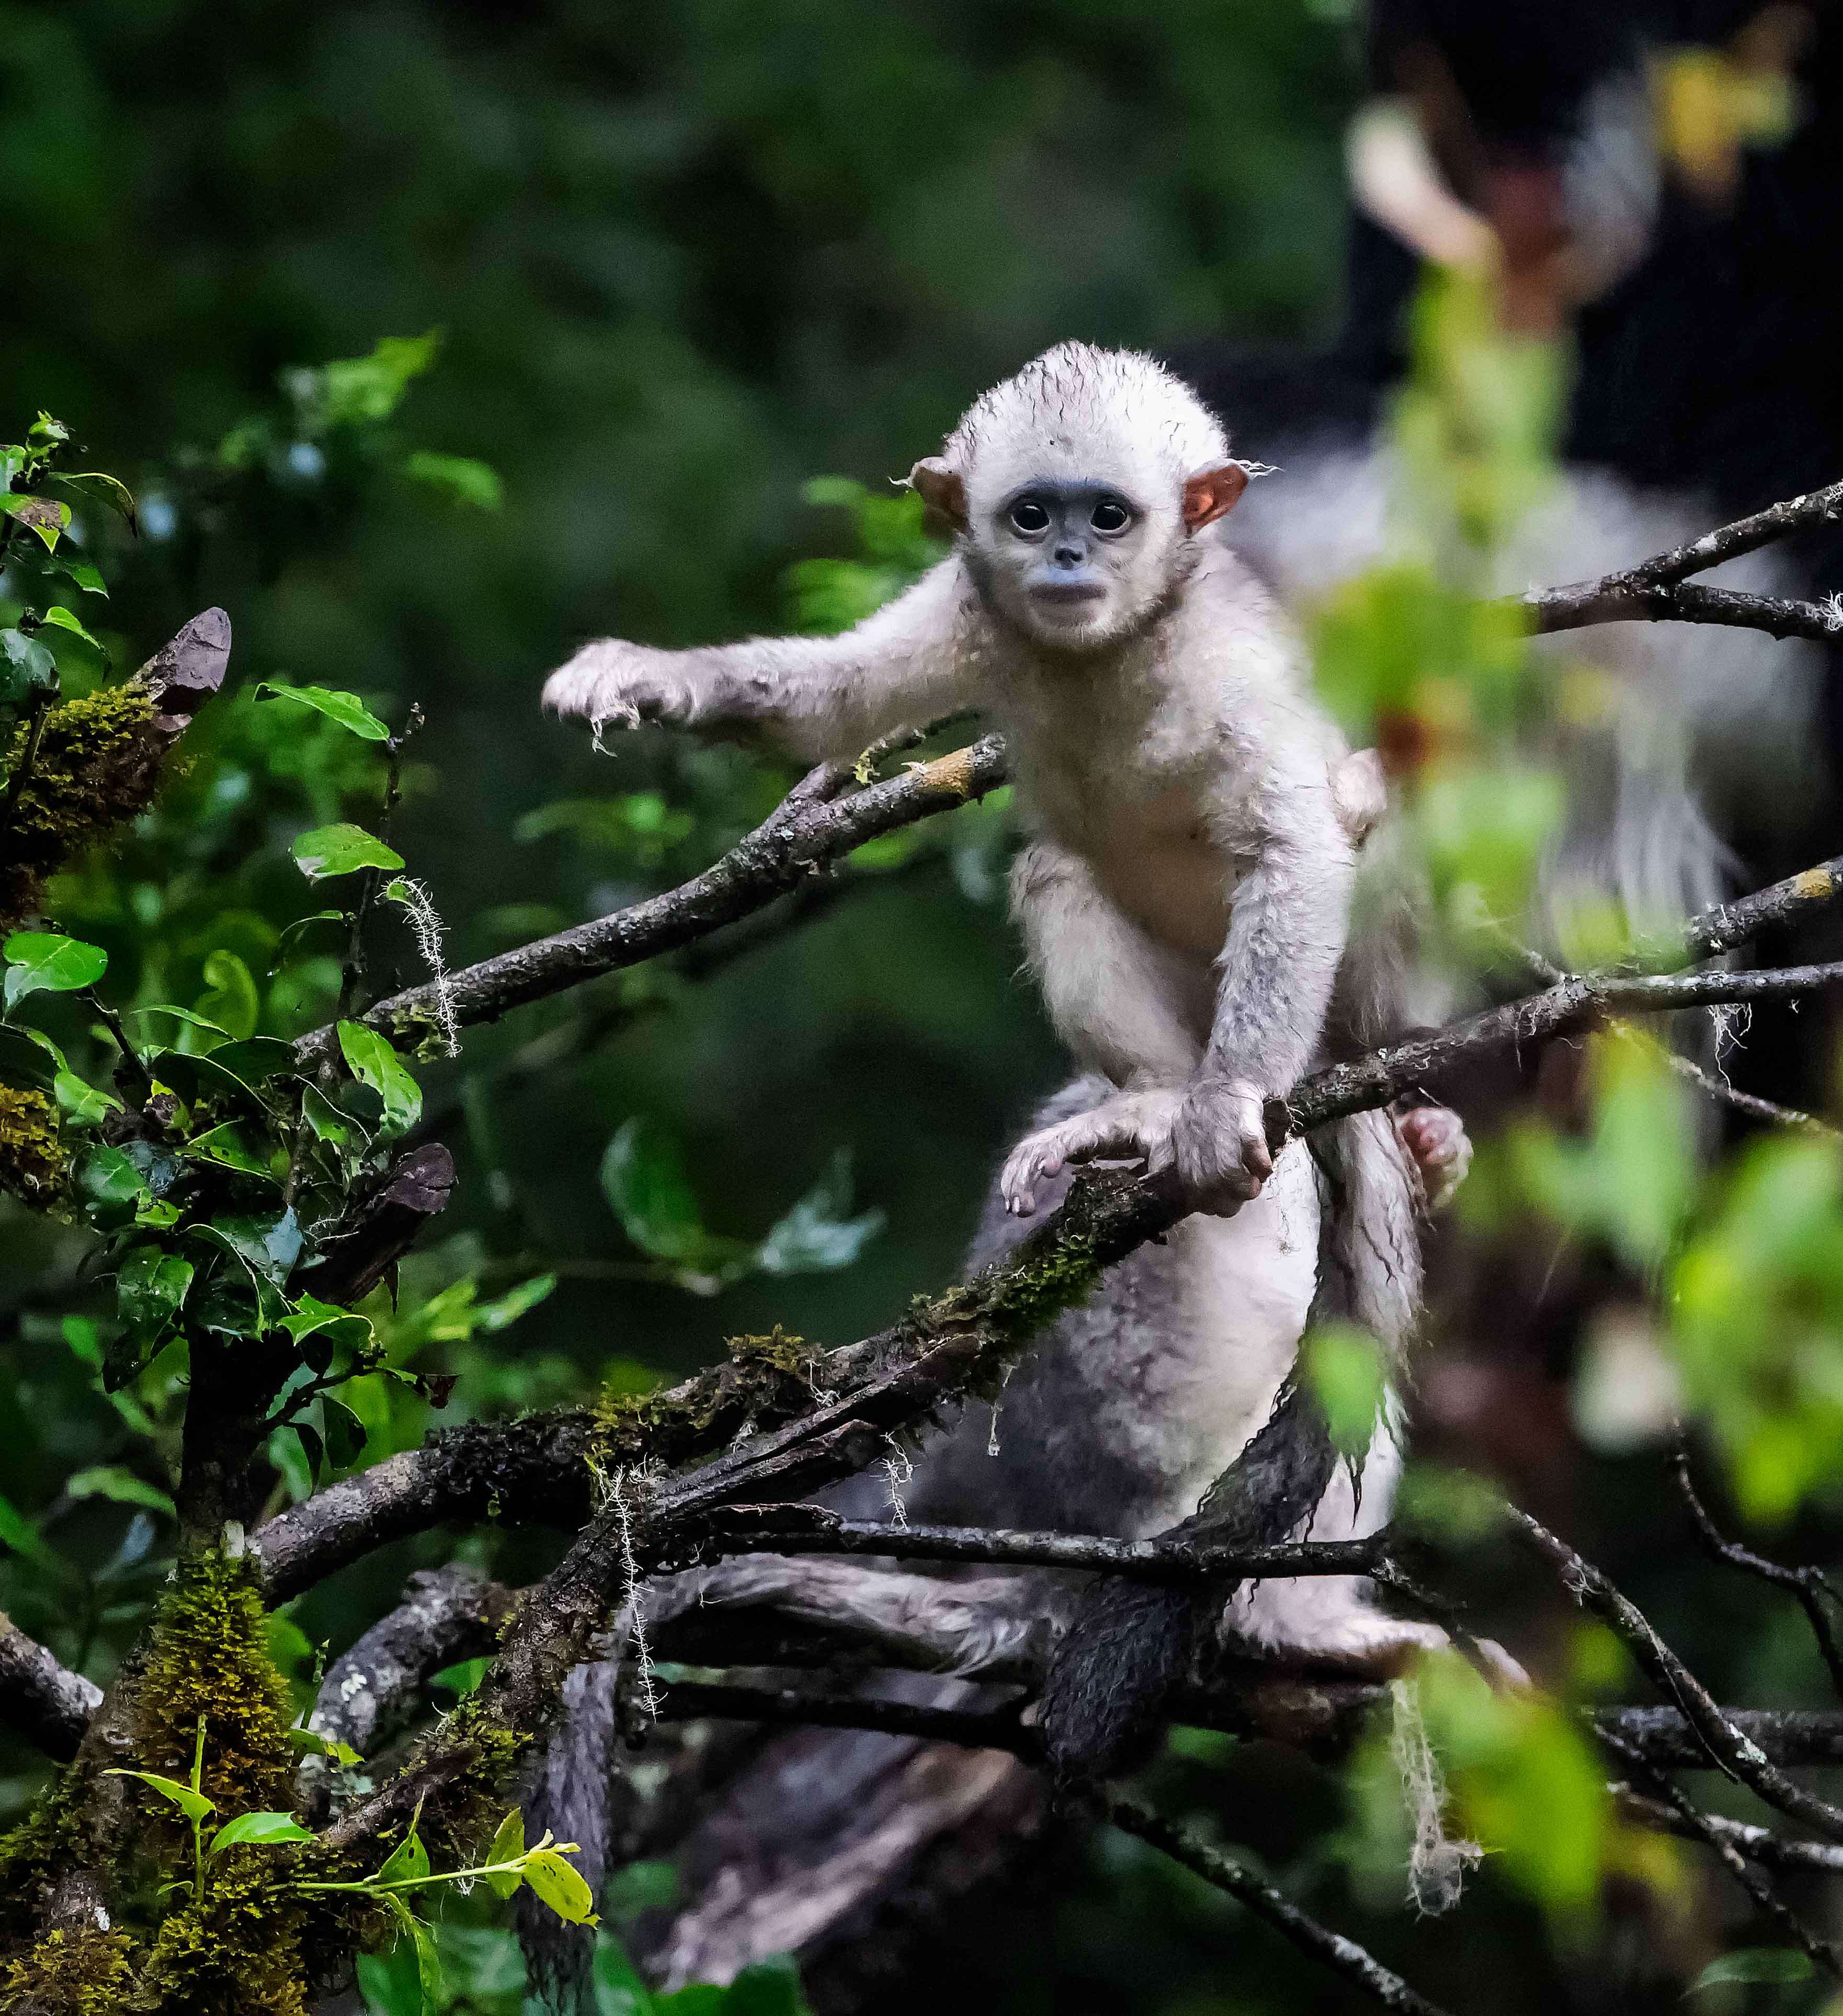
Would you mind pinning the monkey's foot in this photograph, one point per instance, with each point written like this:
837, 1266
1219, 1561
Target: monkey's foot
1435, 1137
1219, 1145
1131, 1127
615, 684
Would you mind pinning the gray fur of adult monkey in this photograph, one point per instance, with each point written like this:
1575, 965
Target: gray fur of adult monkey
1184, 899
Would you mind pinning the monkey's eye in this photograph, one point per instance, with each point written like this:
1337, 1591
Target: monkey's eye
1110, 517
1029, 515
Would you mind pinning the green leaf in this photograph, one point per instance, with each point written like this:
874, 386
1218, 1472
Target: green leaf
344, 1434
86, 577
82, 1103
109, 1178
462, 1679
1753, 1964
324, 1119
428, 1968
324, 1746
61, 618
106, 489
507, 1308
150, 1287
371, 1060
233, 1146
232, 1000
341, 849
46, 432
508, 1845
187, 1015
769, 1988
346, 708
81, 1337
45, 516
194, 1806
120, 1487
358, 391
644, 1179
257, 1830
21, 1535
459, 478
1343, 1367
815, 1237
407, 1863
269, 1246
49, 962
562, 1886
27, 669
619, 1991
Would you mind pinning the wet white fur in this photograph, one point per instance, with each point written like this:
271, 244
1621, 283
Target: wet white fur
1184, 900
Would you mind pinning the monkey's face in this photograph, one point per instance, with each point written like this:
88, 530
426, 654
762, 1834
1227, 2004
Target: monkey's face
1075, 564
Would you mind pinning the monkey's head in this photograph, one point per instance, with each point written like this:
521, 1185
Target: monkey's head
1077, 491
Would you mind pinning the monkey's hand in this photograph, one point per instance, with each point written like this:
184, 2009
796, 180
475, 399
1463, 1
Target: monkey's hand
614, 684
1217, 1145
1436, 1139
1131, 1127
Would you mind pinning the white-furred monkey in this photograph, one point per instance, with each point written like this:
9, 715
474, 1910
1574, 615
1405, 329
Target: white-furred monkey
1185, 898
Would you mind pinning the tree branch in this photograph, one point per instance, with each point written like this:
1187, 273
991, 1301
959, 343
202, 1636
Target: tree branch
775, 858
47, 1703
1656, 590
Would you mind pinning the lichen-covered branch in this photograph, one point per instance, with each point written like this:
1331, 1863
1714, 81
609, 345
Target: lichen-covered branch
1657, 590
375, 1689
775, 858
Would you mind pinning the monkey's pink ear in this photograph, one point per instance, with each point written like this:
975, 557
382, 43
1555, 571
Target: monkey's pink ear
940, 489
1213, 494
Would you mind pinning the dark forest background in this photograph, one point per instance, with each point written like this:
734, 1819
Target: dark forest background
685, 258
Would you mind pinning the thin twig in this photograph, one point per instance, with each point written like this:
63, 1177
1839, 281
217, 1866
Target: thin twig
1723, 1094
371, 879
1809, 1585
1758, 1844
22, 770
1701, 1827
1731, 1750
775, 858
1318, 1942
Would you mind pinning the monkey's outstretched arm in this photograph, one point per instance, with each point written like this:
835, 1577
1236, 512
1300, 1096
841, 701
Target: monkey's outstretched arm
817, 697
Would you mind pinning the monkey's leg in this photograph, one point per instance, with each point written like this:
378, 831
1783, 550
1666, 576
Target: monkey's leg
1128, 1007
995, 1624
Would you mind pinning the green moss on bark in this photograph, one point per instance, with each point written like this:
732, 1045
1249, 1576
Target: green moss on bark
32, 1163
83, 1973
96, 766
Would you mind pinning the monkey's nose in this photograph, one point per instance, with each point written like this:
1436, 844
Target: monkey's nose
1070, 557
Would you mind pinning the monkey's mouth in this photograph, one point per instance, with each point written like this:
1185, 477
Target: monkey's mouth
1065, 595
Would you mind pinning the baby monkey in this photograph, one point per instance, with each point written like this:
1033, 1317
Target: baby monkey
1184, 896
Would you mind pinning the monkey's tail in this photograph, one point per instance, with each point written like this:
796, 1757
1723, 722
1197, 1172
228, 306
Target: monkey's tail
1105, 1690
1104, 1694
